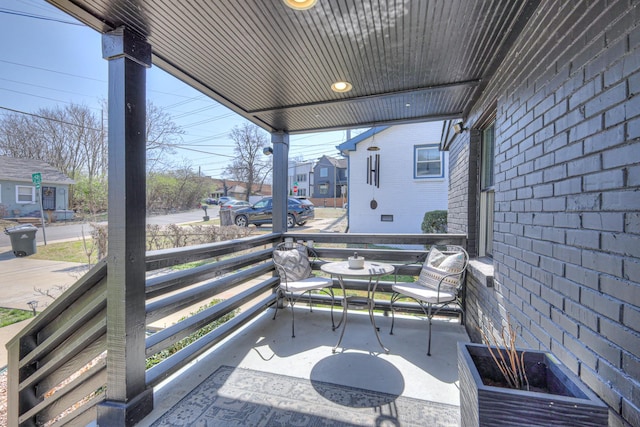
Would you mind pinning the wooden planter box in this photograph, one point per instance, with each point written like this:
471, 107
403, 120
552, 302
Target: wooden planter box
568, 401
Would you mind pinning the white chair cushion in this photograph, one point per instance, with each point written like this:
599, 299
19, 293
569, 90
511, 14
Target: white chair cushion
307, 284
438, 265
295, 262
421, 293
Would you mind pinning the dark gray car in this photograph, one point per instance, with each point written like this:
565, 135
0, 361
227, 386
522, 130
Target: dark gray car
299, 211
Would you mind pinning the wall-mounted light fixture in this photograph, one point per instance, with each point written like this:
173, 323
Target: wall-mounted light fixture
267, 151
458, 127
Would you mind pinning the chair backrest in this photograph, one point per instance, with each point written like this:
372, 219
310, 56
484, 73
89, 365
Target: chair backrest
444, 270
292, 261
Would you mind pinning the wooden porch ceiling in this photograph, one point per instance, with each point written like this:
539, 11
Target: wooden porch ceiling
408, 60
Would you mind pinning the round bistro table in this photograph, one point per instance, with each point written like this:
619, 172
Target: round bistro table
371, 270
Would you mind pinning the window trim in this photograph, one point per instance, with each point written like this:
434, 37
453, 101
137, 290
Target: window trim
416, 148
33, 195
486, 206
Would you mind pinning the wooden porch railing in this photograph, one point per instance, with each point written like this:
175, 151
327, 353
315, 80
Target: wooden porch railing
57, 364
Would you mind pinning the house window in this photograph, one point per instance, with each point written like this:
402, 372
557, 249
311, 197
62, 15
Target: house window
324, 172
302, 192
25, 194
301, 177
487, 195
323, 188
429, 162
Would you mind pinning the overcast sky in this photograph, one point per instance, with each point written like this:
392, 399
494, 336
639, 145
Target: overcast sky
48, 59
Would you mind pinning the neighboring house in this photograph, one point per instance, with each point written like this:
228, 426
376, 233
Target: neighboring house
18, 193
237, 189
396, 174
300, 176
238, 192
545, 181
330, 177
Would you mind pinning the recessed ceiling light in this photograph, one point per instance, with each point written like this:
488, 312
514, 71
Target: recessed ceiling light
300, 4
341, 87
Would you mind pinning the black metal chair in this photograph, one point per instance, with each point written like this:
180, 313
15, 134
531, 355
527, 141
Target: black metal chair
441, 282
296, 278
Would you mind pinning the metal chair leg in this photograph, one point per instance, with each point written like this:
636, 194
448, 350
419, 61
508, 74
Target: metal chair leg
393, 299
293, 334
278, 296
430, 316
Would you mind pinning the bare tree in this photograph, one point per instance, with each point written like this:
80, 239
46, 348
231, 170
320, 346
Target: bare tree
73, 140
62, 137
162, 135
250, 165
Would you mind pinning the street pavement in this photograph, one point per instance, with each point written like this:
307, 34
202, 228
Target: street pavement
25, 279
61, 231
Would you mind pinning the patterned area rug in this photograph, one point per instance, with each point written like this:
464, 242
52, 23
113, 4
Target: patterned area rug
242, 397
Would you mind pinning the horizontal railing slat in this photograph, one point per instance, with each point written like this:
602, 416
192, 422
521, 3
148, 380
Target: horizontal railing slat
95, 350
159, 309
382, 238
64, 301
169, 366
88, 307
171, 282
78, 389
82, 338
176, 256
170, 335
83, 416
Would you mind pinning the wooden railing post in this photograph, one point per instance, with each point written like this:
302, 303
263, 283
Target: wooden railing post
128, 399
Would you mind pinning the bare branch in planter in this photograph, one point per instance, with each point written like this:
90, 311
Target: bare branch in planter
505, 355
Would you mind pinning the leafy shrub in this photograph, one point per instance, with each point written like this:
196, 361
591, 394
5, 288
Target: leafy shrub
434, 222
174, 236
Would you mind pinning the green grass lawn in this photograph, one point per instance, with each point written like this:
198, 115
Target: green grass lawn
64, 251
9, 316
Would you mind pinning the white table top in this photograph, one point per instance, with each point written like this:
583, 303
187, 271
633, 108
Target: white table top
370, 269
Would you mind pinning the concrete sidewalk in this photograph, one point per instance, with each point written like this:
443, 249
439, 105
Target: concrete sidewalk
23, 280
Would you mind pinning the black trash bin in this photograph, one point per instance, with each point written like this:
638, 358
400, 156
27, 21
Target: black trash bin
23, 239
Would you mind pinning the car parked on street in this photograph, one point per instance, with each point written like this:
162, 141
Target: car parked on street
234, 205
224, 199
299, 211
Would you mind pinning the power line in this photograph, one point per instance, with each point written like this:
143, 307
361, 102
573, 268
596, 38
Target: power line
34, 16
49, 118
51, 71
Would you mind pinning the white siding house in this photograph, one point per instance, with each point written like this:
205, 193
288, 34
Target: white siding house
299, 178
411, 177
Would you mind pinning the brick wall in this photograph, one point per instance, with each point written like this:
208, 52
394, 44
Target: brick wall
462, 187
567, 179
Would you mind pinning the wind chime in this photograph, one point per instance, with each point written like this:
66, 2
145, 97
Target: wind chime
373, 170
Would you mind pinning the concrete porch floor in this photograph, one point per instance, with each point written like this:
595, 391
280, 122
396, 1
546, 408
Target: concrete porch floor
266, 345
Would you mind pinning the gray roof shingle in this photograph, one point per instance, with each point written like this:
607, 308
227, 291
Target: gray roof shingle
13, 169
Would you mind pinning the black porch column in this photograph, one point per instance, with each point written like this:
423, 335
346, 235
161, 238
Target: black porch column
128, 399
280, 141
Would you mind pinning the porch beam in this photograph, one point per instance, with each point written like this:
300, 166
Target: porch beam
280, 141
128, 399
